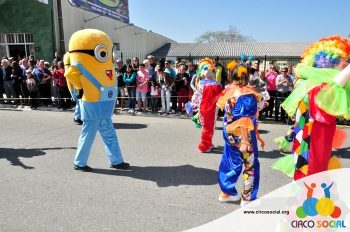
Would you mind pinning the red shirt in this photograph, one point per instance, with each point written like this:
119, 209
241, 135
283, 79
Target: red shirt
59, 74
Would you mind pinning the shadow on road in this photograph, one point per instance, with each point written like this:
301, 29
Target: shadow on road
263, 132
129, 126
260, 131
217, 150
166, 176
274, 154
14, 155
262, 154
343, 153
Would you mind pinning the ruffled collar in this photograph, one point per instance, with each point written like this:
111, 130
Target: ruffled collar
235, 91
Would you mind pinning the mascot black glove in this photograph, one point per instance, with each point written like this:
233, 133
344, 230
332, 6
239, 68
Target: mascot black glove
81, 92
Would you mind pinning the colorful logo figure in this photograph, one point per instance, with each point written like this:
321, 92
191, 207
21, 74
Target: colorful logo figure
323, 206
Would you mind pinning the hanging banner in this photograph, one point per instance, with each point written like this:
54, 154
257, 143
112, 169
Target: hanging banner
116, 9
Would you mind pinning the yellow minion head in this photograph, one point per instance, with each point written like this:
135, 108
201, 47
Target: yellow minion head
93, 50
66, 60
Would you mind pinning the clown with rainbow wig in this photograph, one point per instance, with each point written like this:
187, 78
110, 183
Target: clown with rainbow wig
321, 95
204, 103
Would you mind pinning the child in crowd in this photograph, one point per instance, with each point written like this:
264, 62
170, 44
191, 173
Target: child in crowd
129, 79
166, 83
33, 89
154, 96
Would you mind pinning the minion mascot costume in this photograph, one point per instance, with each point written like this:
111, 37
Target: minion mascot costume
92, 73
204, 102
73, 92
321, 95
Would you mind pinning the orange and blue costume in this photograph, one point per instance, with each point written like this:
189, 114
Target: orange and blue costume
240, 104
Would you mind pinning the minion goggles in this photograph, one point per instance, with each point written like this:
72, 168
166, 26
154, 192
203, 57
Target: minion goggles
100, 53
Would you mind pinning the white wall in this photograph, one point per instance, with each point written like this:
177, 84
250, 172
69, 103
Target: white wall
132, 39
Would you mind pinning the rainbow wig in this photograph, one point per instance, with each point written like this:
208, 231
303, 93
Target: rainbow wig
206, 67
327, 52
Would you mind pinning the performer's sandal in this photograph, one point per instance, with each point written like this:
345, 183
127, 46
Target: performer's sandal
223, 197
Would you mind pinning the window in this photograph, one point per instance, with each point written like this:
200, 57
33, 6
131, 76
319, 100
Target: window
29, 38
9, 41
3, 51
30, 49
20, 38
2, 38
10, 38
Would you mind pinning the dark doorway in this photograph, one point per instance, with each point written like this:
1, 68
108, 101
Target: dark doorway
17, 51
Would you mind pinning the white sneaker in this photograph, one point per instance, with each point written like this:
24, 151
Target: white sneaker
229, 198
244, 203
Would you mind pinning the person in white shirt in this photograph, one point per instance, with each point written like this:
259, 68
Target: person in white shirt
283, 83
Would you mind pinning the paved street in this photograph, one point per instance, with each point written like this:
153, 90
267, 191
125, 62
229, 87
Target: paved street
170, 187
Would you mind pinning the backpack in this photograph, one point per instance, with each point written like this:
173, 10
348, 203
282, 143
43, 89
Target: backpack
32, 84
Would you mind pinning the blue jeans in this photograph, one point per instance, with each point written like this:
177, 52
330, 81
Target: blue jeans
131, 97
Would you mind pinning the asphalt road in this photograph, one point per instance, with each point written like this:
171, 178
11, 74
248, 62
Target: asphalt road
170, 187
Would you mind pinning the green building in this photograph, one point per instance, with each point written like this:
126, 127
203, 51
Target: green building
27, 28
41, 27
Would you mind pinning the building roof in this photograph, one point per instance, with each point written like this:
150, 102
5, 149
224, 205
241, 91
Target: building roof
234, 49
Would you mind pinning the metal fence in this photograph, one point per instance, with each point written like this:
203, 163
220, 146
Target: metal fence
263, 61
129, 55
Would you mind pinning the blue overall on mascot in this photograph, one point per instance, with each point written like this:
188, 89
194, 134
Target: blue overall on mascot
92, 73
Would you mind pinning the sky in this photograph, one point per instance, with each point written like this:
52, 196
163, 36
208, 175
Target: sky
262, 20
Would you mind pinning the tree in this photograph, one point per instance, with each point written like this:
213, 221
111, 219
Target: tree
223, 36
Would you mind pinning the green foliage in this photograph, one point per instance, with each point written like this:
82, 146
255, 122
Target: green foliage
232, 35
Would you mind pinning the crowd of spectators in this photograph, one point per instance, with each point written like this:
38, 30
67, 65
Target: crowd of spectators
34, 82
174, 83
157, 86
